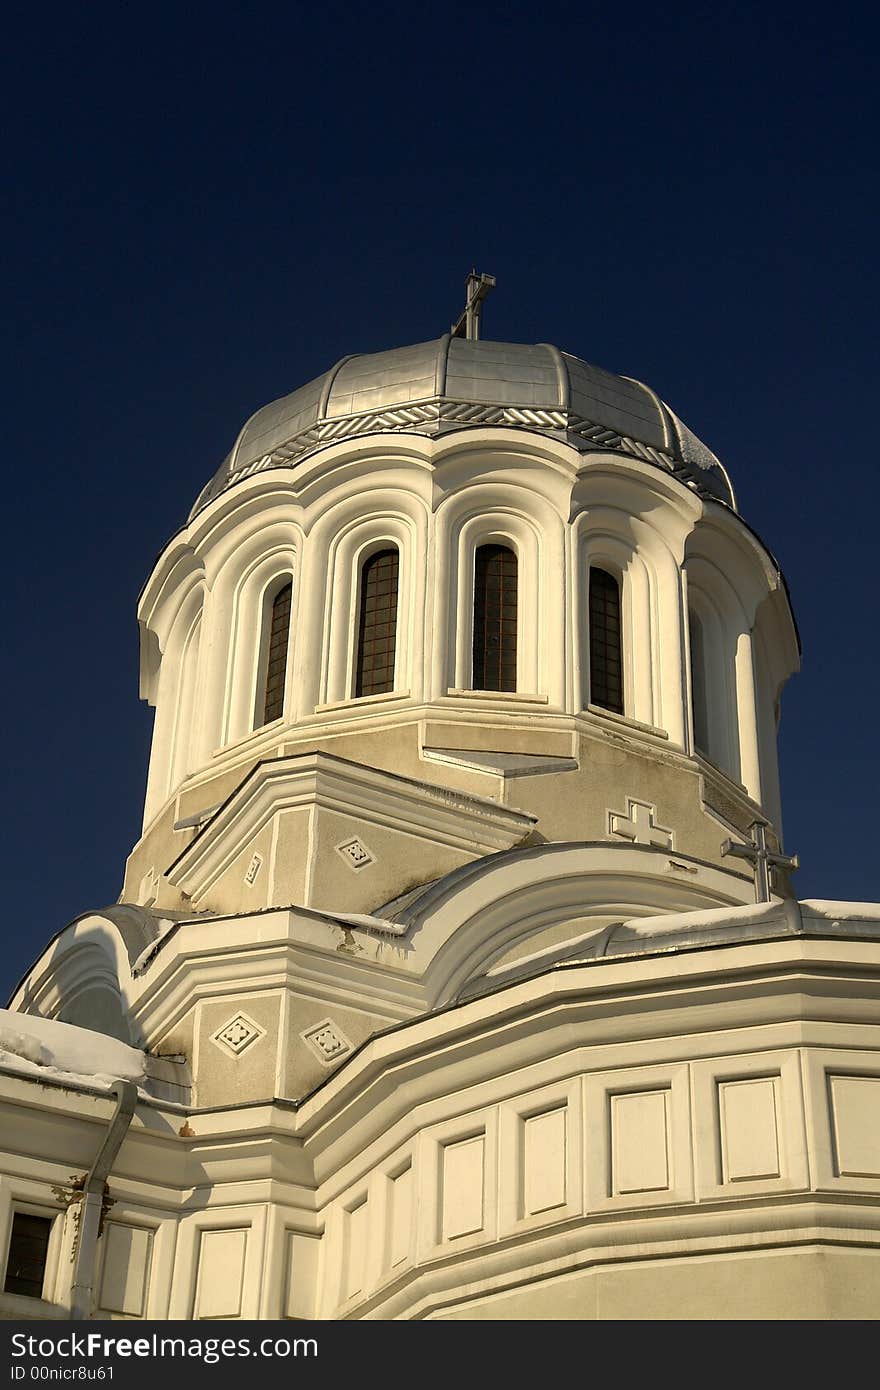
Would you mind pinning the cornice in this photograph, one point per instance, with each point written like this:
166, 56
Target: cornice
442, 414
437, 814
210, 959
756, 981
465, 1277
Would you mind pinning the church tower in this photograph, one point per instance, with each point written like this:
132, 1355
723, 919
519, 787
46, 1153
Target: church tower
450, 600
459, 942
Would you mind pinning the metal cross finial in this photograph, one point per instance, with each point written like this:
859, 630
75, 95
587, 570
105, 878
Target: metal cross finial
468, 322
761, 857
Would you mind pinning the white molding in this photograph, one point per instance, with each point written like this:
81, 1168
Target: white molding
506, 697
623, 721
632, 1028
506, 766
670, 1086
821, 1067
566, 1097
782, 1072
474, 1127
364, 701
442, 816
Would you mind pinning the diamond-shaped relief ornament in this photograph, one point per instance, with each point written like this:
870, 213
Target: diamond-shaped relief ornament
355, 854
253, 869
327, 1041
238, 1035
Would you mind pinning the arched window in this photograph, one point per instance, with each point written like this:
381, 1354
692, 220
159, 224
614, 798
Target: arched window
699, 693
377, 624
606, 665
495, 615
276, 654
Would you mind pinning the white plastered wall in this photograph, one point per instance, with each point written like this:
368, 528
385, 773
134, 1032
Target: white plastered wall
175, 749
725, 585
628, 521
437, 501
244, 584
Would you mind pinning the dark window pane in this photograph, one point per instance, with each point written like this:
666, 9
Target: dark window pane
495, 618
276, 663
606, 686
28, 1244
377, 625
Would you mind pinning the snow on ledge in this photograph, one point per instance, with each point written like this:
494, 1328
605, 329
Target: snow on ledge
43, 1047
747, 923
709, 919
840, 912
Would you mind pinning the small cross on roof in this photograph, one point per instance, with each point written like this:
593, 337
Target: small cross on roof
762, 858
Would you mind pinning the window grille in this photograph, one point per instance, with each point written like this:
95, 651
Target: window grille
276, 656
495, 618
28, 1248
377, 624
606, 673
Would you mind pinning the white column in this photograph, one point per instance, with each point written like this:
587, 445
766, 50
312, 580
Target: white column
314, 607
638, 642
160, 751
747, 717
673, 667
687, 667
770, 793
182, 743
213, 655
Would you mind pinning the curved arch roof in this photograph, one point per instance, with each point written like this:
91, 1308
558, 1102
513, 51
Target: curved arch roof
456, 383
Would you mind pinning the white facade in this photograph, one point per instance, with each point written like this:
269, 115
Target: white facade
205, 607
449, 1001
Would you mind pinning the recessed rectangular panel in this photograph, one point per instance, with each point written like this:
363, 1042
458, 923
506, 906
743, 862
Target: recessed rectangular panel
221, 1274
302, 1274
355, 1250
640, 1142
855, 1104
126, 1269
544, 1161
749, 1128
462, 1203
400, 1217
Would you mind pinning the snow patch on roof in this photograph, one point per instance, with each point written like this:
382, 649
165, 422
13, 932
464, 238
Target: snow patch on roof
39, 1047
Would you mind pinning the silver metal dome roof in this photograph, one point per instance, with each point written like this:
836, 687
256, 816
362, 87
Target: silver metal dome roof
458, 383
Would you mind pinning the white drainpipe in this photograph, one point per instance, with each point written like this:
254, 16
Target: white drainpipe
93, 1200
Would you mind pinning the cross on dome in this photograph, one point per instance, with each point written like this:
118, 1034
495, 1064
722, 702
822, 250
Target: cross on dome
468, 323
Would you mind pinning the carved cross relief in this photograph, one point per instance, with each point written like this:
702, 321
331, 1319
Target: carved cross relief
639, 824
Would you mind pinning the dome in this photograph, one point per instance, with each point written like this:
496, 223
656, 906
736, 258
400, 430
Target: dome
457, 383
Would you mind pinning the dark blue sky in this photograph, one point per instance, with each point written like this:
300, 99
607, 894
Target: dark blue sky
206, 206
